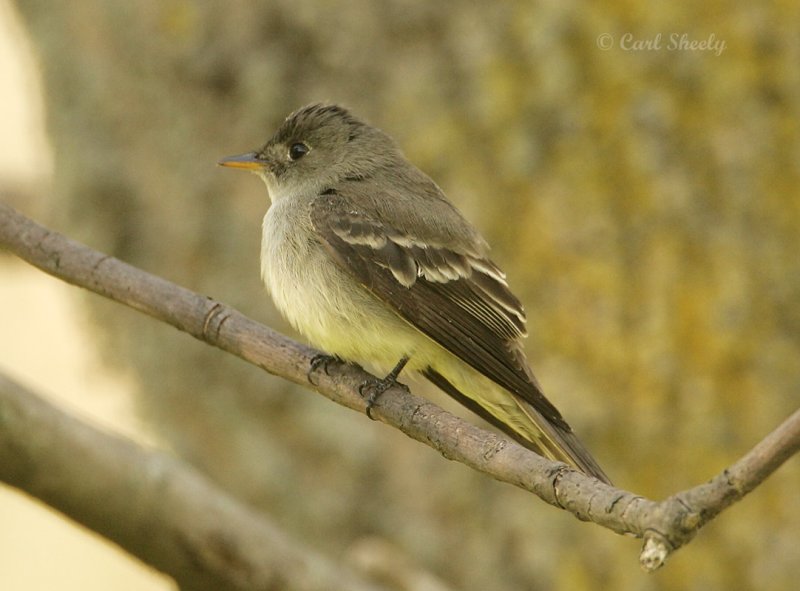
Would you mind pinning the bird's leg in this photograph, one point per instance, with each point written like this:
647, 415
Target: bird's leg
372, 389
321, 361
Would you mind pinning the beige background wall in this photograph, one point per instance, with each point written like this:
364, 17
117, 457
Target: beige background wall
44, 345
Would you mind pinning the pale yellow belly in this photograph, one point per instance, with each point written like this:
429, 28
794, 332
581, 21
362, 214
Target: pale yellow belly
326, 304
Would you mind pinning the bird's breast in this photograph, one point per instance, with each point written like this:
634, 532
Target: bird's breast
321, 300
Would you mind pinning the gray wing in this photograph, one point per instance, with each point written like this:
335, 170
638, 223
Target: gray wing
452, 293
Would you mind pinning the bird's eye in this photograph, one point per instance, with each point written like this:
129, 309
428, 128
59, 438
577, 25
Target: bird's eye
297, 151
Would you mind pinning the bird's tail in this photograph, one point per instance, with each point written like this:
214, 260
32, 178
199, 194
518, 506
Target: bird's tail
517, 418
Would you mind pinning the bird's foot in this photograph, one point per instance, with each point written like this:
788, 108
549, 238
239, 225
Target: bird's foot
372, 389
321, 361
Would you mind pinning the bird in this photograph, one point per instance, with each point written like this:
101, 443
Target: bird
365, 256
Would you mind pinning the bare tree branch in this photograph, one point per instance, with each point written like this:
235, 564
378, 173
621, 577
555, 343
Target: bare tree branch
665, 526
151, 504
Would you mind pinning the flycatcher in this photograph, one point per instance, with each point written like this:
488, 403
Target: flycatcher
364, 255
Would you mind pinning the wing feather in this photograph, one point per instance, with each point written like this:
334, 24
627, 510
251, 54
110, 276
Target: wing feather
458, 299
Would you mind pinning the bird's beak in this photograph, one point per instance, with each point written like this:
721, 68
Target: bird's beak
247, 161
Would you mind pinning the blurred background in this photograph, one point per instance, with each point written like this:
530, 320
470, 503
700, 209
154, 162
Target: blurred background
635, 169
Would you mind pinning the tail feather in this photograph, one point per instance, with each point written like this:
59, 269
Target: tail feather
555, 441
562, 444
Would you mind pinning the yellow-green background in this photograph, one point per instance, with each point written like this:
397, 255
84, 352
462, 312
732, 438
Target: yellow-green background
643, 202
